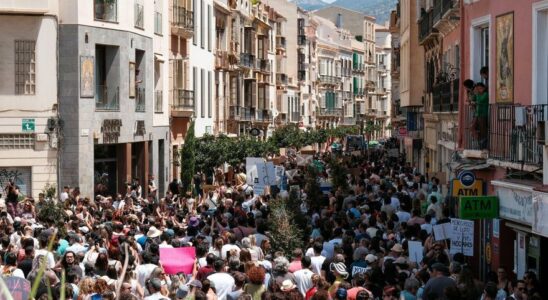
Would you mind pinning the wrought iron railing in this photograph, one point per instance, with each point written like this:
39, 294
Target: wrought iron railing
158, 102
182, 100
107, 97
182, 17
140, 103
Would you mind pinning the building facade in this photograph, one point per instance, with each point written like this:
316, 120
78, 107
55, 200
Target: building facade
107, 95
30, 127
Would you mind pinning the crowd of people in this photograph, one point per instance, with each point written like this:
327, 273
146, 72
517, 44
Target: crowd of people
357, 246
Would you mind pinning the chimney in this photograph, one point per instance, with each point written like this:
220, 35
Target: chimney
339, 22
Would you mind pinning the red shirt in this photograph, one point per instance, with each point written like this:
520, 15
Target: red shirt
310, 293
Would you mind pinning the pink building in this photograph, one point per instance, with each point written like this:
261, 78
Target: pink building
510, 38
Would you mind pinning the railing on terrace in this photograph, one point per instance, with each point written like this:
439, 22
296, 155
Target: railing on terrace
182, 100
247, 60
107, 97
140, 103
512, 132
182, 17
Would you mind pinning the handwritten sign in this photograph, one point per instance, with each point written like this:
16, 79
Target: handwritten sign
415, 251
178, 260
442, 231
252, 176
19, 288
462, 237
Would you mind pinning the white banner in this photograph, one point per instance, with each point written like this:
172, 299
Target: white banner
462, 237
252, 174
442, 231
415, 251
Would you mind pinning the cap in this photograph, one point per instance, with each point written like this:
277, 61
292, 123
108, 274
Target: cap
195, 283
182, 291
370, 258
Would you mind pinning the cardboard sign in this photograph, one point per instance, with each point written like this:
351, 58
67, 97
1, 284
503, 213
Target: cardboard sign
178, 260
266, 173
442, 231
462, 237
459, 189
252, 175
480, 207
304, 159
415, 251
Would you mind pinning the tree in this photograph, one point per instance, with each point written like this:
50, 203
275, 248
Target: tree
52, 213
188, 159
284, 232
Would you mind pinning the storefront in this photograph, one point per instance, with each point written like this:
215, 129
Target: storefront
515, 243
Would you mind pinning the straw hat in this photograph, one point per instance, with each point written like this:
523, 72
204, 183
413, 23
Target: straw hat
287, 285
153, 232
397, 248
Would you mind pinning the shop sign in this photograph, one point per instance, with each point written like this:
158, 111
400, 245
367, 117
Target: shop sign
467, 189
478, 207
111, 130
540, 218
515, 204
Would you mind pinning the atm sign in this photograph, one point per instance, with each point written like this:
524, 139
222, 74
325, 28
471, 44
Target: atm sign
459, 189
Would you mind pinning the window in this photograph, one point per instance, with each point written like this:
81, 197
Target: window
540, 48
16, 141
139, 15
106, 10
209, 94
158, 23
25, 67
107, 78
202, 93
479, 49
209, 28
195, 86
202, 25
195, 17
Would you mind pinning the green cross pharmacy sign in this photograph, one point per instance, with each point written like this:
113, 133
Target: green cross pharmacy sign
28, 125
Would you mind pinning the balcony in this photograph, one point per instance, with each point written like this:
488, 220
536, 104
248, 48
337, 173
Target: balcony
107, 98
281, 79
446, 15
370, 85
140, 103
263, 65
511, 133
330, 112
295, 116
346, 95
381, 114
182, 103
280, 43
358, 67
239, 113
105, 10
301, 74
182, 23
264, 116
25, 6
247, 60
158, 102
328, 79
221, 60
426, 28
348, 121
445, 96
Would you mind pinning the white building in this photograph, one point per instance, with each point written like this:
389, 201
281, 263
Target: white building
383, 48
29, 122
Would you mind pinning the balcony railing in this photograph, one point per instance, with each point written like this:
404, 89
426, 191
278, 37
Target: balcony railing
349, 121
240, 113
183, 18
426, 26
183, 100
445, 96
247, 60
106, 10
280, 42
512, 132
328, 79
281, 78
301, 39
263, 115
158, 102
295, 116
221, 60
140, 103
263, 65
330, 112
107, 97
441, 7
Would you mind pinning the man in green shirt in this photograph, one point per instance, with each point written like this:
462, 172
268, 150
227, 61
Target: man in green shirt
481, 101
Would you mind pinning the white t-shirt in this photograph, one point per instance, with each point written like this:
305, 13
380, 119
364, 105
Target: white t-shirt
316, 264
49, 255
229, 247
143, 272
403, 216
224, 283
303, 278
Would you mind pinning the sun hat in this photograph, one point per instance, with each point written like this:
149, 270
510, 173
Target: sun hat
370, 258
397, 248
287, 285
153, 232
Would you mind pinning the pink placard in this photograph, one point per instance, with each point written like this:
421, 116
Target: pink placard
178, 260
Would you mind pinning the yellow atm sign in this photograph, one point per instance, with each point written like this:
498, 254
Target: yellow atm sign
474, 189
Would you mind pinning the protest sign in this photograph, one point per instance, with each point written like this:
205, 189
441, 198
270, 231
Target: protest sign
266, 173
462, 237
18, 288
252, 176
304, 159
442, 231
415, 251
178, 260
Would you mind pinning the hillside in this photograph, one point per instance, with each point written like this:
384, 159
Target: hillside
380, 9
